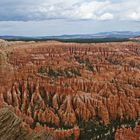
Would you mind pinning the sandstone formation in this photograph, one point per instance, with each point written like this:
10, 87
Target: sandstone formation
11, 128
73, 91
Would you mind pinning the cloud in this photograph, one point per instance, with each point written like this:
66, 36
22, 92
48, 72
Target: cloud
88, 10
39, 10
106, 16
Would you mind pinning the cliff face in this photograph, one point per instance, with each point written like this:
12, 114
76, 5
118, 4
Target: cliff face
72, 91
9, 125
11, 128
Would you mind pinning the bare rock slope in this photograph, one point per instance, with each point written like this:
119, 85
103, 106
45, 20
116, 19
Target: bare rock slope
10, 128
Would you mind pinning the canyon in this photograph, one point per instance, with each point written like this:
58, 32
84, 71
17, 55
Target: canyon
69, 91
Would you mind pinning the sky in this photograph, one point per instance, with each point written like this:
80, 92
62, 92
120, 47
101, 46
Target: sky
58, 17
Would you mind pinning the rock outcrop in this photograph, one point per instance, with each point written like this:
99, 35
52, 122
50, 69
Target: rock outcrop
11, 128
71, 90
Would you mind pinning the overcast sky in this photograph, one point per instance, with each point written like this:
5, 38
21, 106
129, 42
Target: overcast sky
57, 17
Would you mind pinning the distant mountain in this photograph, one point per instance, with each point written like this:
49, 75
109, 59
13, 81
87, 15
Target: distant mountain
135, 38
118, 34
101, 35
